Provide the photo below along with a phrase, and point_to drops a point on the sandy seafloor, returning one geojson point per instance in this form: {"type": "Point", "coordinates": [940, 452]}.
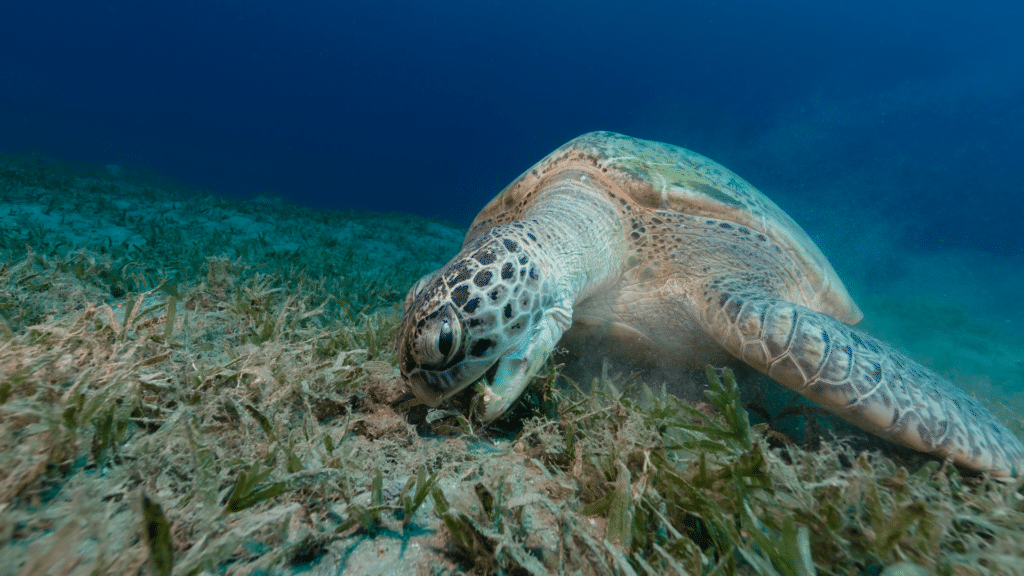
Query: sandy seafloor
{"type": "Point", "coordinates": [959, 313]}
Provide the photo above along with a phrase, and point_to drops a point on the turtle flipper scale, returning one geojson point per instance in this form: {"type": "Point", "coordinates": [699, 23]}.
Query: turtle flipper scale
{"type": "Point", "coordinates": [860, 378]}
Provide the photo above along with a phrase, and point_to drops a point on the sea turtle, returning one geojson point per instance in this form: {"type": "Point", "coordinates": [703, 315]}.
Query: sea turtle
{"type": "Point", "coordinates": [670, 254]}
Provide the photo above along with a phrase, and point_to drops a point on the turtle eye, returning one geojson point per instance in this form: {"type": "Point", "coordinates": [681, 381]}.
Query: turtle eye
{"type": "Point", "coordinates": [446, 339]}
{"type": "Point", "coordinates": [440, 338]}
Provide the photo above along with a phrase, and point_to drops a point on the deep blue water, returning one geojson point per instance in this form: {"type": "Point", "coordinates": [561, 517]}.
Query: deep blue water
{"type": "Point", "coordinates": [910, 111]}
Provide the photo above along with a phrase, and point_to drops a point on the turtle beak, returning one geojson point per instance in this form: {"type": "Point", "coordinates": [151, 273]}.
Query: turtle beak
{"type": "Point", "coordinates": [432, 388]}
{"type": "Point", "coordinates": [425, 393]}
{"type": "Point", "coordinates": [517, 366]}
{"type": "Point", "coordinates": [514, 372]}
{"type": "Point", "coordinates": [503, 383]}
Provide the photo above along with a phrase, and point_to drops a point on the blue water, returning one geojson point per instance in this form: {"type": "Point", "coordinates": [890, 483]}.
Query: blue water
{"type": "Point", "coordinates": [911, 111]}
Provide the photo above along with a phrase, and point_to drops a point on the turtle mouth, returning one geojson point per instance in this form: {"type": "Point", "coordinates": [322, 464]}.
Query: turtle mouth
{"type": "Point", "coordinates": [498, 387]}
{"type": "Point", "coordinates": [433, 386]}
{"type": "Point", "coordinates": [492, 372]}
{"type": "Point", "coordinates": [506, 380]}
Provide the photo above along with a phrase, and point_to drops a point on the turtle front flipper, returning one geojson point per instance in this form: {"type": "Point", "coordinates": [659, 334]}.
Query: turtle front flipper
{"type": "Point", "coordinates": [860, 378]}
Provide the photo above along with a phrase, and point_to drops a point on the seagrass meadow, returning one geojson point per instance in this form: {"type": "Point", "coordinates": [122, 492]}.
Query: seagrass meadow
{"type": "Point", "coordinates": [196, 385]}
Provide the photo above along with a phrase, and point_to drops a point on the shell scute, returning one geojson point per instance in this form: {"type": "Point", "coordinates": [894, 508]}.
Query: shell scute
{"type": "Point", "coordinates": [663, 179]}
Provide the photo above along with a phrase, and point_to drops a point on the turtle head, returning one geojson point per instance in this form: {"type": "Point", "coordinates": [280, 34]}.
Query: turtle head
{"type": "Point", "coordinates": [489, 318]}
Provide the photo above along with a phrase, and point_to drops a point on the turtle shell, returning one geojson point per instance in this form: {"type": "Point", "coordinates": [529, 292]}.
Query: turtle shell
{"type": "Point", "coordinates": [654, 176]}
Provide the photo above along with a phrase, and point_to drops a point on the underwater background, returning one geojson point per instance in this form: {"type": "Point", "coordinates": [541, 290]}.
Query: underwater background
{"type": "Point", "coordinates": [224, 203]}
{"type": "Point", "coordinates": [908, 112]}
